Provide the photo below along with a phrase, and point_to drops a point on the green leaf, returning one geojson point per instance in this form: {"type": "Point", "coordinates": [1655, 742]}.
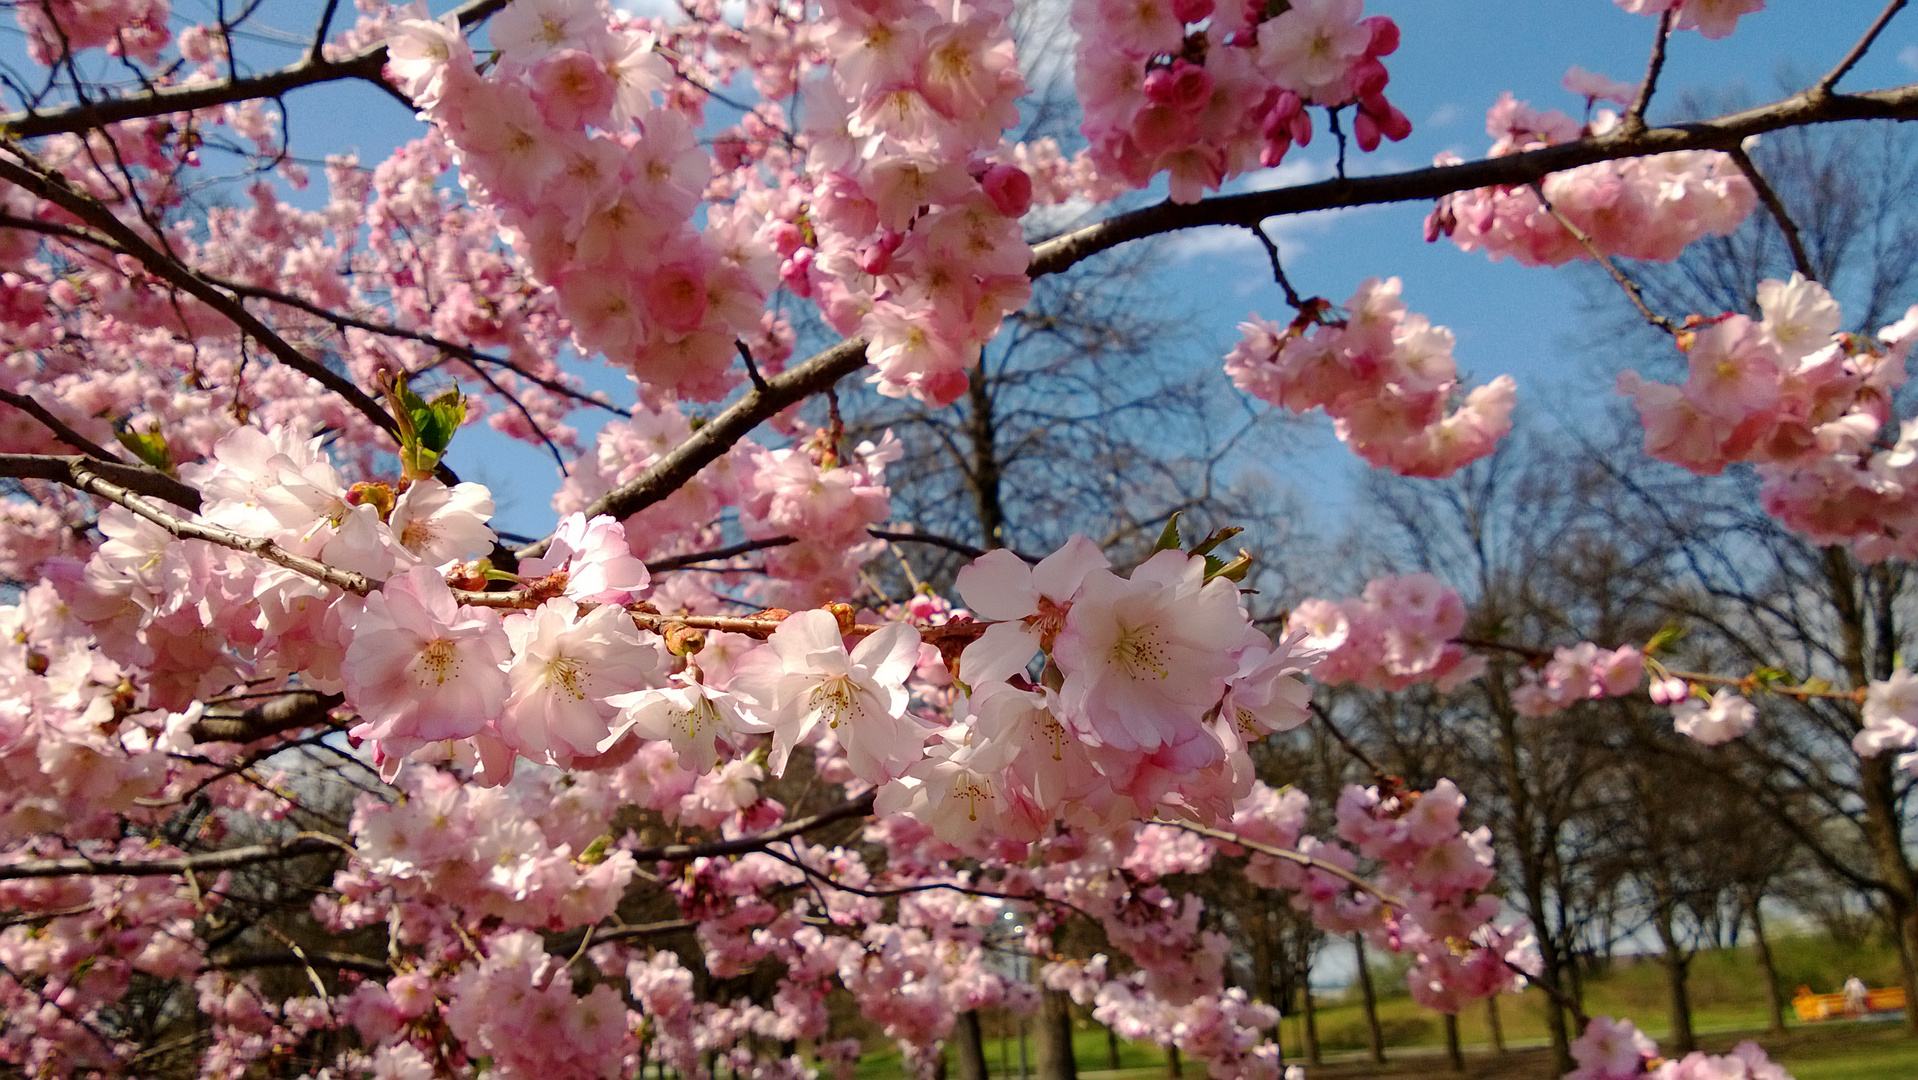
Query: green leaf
{"type": "Point", "coordinates": [1667, 635]}
{"type": "Point", "coordinates": [441, 420]}
{"type": "Point", "coordinates": [1231, 571]}
{"type": "Point", "coordinates": [1169, 537]}
{"type": "Point", "coordinates": [148, 446]}
{"type": "Point", "coordinates": [1219, 536]}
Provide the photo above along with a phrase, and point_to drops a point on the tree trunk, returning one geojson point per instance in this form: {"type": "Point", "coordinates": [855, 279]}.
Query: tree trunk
{"type": "Point", "coordinates": [1677, 973]}
{"type": "Point", "coordinates": [1531, 868]}
{"type": "Point", "coordinates": [1373, 1033]}
{"type": "Point", "coordinates": [1453, 1053]}
{"type": "Point", "coordinates": [970, 1045]}
{"type": "Point", "coordinates": [985, 462]}
{"type": "Point", "coordinates": [1054, 1036]}
{"type": "Point", "coordinates": [1877, 788]}
{"type": "Point", "coordinates": [1312, 1054]}
{"type": "Point", "coordinates": [1112, 1049]}
{"type": "Point", "coordinates": [1174, 1064]}
{"type": "Point", "coordinates": [1774, 993]}
{"type": "Point", "coordinates": [1494, 1025]}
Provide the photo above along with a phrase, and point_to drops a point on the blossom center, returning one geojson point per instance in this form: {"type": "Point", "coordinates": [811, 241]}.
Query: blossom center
{"type": "Point", "coordinates": [439, 660]}
{"type": "Point", "coordinates": [1139, 651]}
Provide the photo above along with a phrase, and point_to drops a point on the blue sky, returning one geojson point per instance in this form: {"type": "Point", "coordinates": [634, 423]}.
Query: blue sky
{"type": "Point", "coordinates": [1456, 58]}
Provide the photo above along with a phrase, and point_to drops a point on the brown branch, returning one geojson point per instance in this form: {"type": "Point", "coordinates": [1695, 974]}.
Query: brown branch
{"type": "Point", "coordinates": [857, 808]}
{"type": "Point", "coordinates": [1776, 206]}
{"type": "Point", "coordinates": [643, 931]}
{"type": "Point", "coordinates": [1383, 778]}
{"type": "Point", "coordinates": [116, 234]}
{"type": "Point", "coordinates": [58, 426]}
{"type": "Point", "coordinates": [1635, 116]}
{"type": "Point", "coordinates": [1824, 86]}
{"type": "Point", "coordinates": [1286, 854]}
{"type": "Point", "coordinates": [365, 965]}
{"type": "Point", "coordinates": [466, 353]}
{"type": "Point", "coordinates": [289, 711]}
{"type": "Point", "coordinates": [717, 435]}
{"type": "Point", "coordinates": [730, 551]}
{"type": "Point", "coordinates": [301, 845]}
{"type": "Point", "coordinates": [69, 470]}
{"type": "Point", "coordinates": [1632, 290]}
{"type": "Point", "coordinates": [366, 64]}
{"type": "Point", "coordinates": [91, 477]}
{"type": "Point", "coordinates": [1511, 170]}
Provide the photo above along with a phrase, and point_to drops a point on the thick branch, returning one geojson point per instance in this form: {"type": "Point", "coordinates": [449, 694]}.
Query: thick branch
{"type": "Point", "coordinates": [365, 64]}
{"type": "Point", "coordinates": [1512, 170]}
{"type": "Point", "coordinates": [70, 470]}
{"type": "Point", "coordinates": [271, 716]}
{"type": "Point", "coordinates": [718, 435]}
{"type": "Point", "coordinates": [304, 844]}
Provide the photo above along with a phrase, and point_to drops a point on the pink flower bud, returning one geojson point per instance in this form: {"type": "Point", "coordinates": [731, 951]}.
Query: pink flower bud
{"type": "Point", "coordinates": [1670, 691]}
{"type": "Point", "coordinates": [787, 238]}
{"type": "Point", "coordinates": [1009, 188]}
{"type": "Point", "coordinates": [1191, 11]}
{"type": "Point", "coordinates": [1385, 35]}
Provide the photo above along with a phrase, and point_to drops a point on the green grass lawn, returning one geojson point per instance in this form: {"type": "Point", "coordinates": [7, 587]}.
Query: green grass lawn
{"type": "Point", "coordinates": [1728, 1005]}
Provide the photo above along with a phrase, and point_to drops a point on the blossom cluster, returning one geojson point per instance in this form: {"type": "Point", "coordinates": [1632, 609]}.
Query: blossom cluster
{"type": "Point", "coordinates": [1398, 632]}
{"type": "Point", "coordinates": [1637, 208]}
{"type": "Point", "coordinates": [1616, 1050]}
{"type": "Point", "coordinates": [1385, 376]}
{"type": "Point", "coordinates": [1890, 718]}
{"type": "Point", "coordinates": [1578, 673]}
{"type": "Point", "coordinates": [1806, 403]}
{"type": "Point", "coordinates": [1152, 687]}
{"type": "Point", "coordinates": [1204, 91]}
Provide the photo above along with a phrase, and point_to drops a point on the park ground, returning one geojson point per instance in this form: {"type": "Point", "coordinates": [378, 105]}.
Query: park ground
{"type": "Point", "coordinates": [1729, 1006]}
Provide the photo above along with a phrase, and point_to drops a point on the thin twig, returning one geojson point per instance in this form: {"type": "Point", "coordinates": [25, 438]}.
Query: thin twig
{"type": "Point", "coordinates": [1632, 290]}
{"type": "Point", "coordinates": [1378, 774]}
{"type": "Point", "coordinates": [1635, 116]}
{"type": "Point", "coordinates": [1776, 206]}
{"type": "Point", "coordinates": [1287, 854]}
{"type": "Point", "coordinates": [857, 808]}
{"type": "Point", "coordinates": [1823, 87]}
{"type": "Point", "coordinates": [1278, 269]}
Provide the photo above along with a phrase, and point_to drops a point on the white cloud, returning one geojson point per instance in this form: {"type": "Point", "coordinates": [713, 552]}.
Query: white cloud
{"type": "Point", "coordinates": [1442, 116]}
{"type": "Point", "coordinates": [1908, 56]}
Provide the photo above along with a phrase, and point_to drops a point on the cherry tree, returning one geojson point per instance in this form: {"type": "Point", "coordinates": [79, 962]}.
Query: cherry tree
{"type": "Point", "coordinates": [261, 624]}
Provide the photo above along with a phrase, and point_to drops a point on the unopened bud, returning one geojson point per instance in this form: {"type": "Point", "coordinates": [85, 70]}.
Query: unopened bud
{"type": "Point", "coordinates": [683, 640]}
{"type": "Point", "coordinates": [845, 614]}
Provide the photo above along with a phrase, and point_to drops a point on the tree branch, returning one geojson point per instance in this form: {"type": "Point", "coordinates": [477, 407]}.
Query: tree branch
{"type": "Point", "coordinates": [1511, 170]}
{"type": "Point", "coordinates": [718, 435]}
{"type": "Point", "coordinates": [124, 478]}
{"type": "Point", "coordinates": [301, 845]}
{"type": "Point", "coordinates": [58, 426]}
{"type": "Point", "coordinates": [116, 234]}
{"type": "Point", "coordinates": [1776, 206]}
{"type": "Point", "coordinates": [289, 711]}
{"type": "Point", "coordinates": [857, 808]}
{"type": "Point", "coordinates": [1635, 116]}
{"type": "Point", "coordinates": [1857, 53]}
{"type": "Point", "coordinates": [366, 64]}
